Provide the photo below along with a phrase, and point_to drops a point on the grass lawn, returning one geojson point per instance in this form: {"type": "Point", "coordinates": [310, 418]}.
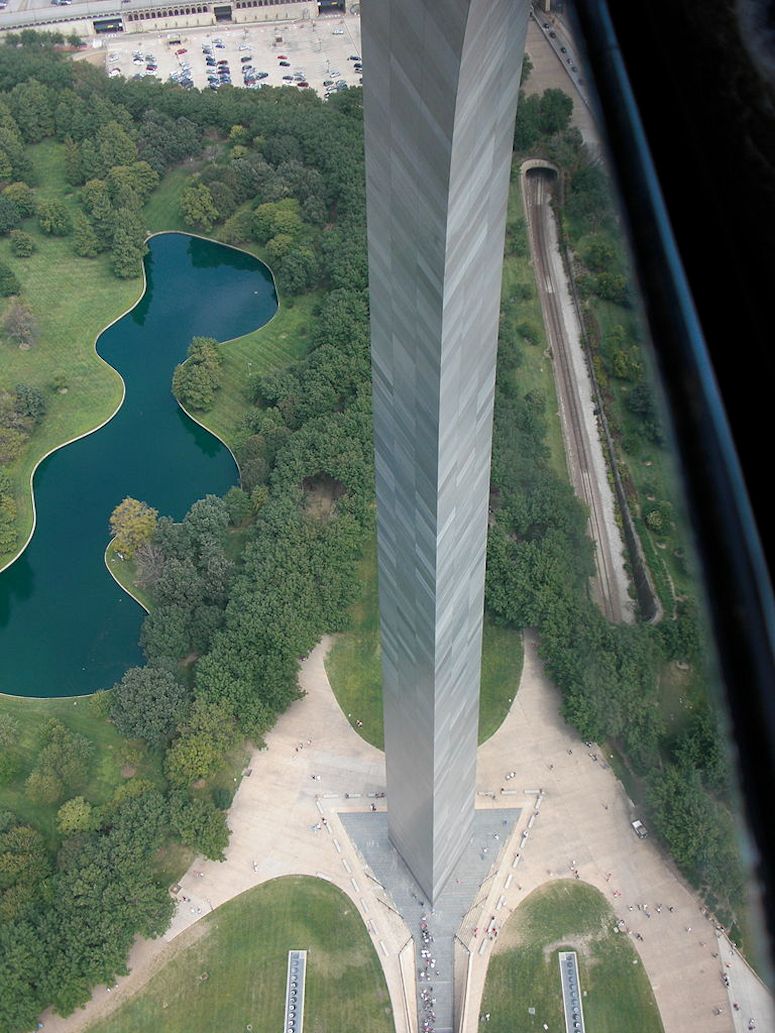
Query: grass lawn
{"type": "Point", "coordinates": [243, 948]}
{"type": "Point", "coordinates": [162, 209]}
{"type": "Point", "coordinates": [73, 299]}
{"type": "Point", "coordinates": [124, 571]}
{"type": "Point", "coordinates": [282, 340]}
{"type": "Point", "coordinates": [111, 752]}
{"type": "Point", "coordinates": [353, 665]}
{"type": "Point", "coordinates": [536, 372]}
{"type": "Point", "coordinates": [524, 971]}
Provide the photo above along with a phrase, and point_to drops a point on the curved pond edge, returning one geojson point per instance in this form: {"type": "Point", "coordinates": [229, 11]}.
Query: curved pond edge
{"type": "Point", "coordinates": [120, 584]}
{"type": "Point", "coordinates": [93, 430]}
{"type": "Point", "coordinates": [229, 340]}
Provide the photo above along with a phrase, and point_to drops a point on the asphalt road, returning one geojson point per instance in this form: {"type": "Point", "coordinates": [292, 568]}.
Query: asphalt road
{"type": "Point", "coordinates": [584, 453]}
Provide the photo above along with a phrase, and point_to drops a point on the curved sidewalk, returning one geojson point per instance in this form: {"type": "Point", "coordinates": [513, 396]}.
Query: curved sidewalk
{"type": "Point", "coordinates": [584, 817]}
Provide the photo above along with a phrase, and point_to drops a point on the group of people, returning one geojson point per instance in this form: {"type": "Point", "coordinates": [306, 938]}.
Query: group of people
{"type": "Point", "coordinates": [429, 1015]}
{"type": "Point", "coordinates": [428, 965]}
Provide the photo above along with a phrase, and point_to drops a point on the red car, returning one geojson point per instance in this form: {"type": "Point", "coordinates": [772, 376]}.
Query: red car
{"type": "Point", "coordinates": [302, 84]}
{"type": "Point", "coordinates": [181, 51]}
{"type": "Point", "coordinates": [282, 57]}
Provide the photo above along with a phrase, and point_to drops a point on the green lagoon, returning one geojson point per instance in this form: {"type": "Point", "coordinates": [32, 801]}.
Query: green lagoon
{"type": "Point", "coordinates": [66, 627]}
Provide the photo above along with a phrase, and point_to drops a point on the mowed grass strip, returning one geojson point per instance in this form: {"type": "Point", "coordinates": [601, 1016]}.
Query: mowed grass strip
{"type": "Point", "coordinates": [73, 300]}
{"type": "Point", "coordinates": [524, 971]}
{"type": "Point", "coordinates": [354, 664]}
{"type": "Point", "coordinates": [232, 972]}
{"type": "Point", "coordinates": [162, 209]}
{"type": "Point", "coordinates": [125, 573]}
{"type": "Point", "coordinates": [284, 339]}
{"type": "Point", "coordinates": [536, 372]}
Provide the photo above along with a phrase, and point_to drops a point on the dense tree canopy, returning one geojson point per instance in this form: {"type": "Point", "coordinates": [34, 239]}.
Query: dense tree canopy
{"type": "Point", "coordinates": [241, 589]}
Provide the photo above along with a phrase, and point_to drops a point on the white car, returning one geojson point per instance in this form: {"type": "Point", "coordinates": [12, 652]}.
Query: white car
{"type": "Point", "coordinates": [338, 32]}
{"type": "Point", "coordinates": [244, 46]}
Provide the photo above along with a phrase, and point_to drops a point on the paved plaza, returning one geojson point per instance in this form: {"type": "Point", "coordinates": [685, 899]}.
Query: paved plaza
{"type": "Point", "coordinates": [583, 817]}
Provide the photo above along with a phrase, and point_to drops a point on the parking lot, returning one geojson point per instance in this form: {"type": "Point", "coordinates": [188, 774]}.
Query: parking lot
{"type": "Point", "coordinates": [315, 53]}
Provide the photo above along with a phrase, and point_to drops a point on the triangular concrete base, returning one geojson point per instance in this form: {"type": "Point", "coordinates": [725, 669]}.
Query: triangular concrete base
{"type": "Point", "coordinates": [464, 889]}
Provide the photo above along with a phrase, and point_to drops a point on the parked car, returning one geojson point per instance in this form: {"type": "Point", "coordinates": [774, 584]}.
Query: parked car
{"type": "Point", "coordinates": [285, 64]}
{"type": "Point", "coordinates": [181, 51]}
{"type": "Point", "coordinates": [640, 829]}
{"type": "Point", "coordinates": [353, 57]}
{"type": "Point", "coordinates": [287, 78]}
{"type": "Point", "coordinates": [302, 85]}
{"type": "Point", "coordinates": [246, 58]}
{"type": "Point", "coordinates": [338, 32]}
{"type": "Point", "coordinates": [244, 46]}
{"type": "Point", "coordinates": [262, 75]}
{"type": "Point", "coordinates": [282, 57]}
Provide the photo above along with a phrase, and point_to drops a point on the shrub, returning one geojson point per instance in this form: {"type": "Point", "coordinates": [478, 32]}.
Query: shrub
{"type": "Point", "coordinates": [22, 244]}
{"type": "Point", "coordinates": [9, 284]}
{"type": "Point", "coordinates": [23, 197]}
{"type": "Point", "coordinates": [54, 218]}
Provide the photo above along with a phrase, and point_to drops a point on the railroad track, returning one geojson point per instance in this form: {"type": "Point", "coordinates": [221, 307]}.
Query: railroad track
{"type": "Point", "coordinates": [584, 456]}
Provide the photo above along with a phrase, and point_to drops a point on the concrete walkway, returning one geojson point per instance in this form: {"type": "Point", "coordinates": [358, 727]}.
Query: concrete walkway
{"type": "Point", "coordinates": [583, 817]}
{"type": "Point", "coordinates": [584, 821]}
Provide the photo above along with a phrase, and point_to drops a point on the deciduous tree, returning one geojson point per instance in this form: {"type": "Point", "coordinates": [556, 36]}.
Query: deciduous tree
{"type": "Point", "coordinates": [132, 522]}
{"type": "Point", "coordinates": [54, 218]}
{"type": "Point", "coordinates": [76, 815]}
{"type": "Point", "coordinates": [20, 324]}
{"type": "Point", "coordinates": [198, 207]}
{"type": "Point", "coordinates": [149, 703]}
